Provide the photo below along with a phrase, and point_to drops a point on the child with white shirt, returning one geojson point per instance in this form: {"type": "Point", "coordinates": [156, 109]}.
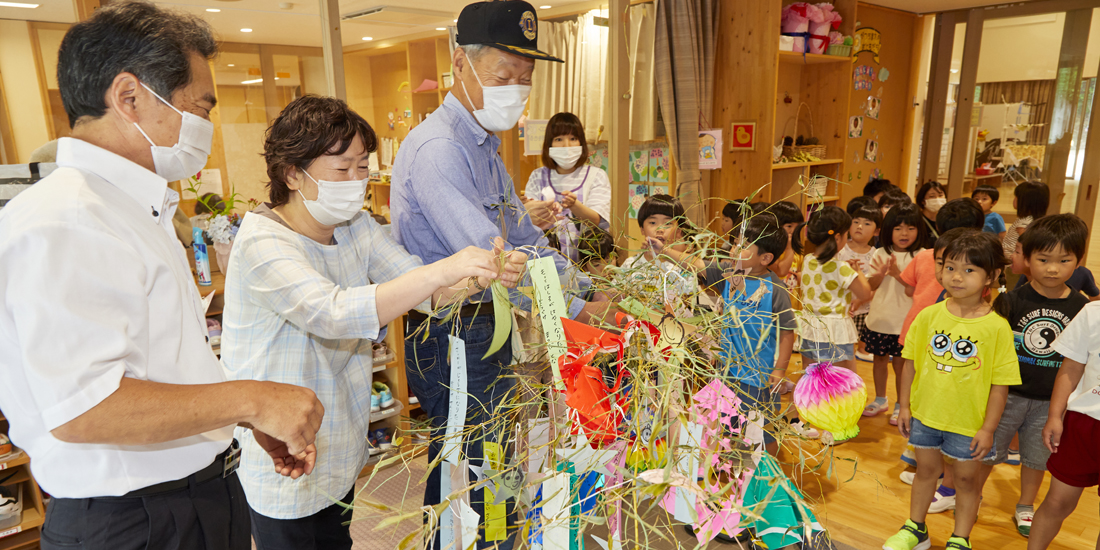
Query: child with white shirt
{"type": "Point", "coordinates": [663, 268]}
{"type": "Point", "coordinates": [860, 249]}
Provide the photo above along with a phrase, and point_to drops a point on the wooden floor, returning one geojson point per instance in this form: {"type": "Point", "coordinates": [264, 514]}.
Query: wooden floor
{"type": "Point", "coordinates": [865, 502]}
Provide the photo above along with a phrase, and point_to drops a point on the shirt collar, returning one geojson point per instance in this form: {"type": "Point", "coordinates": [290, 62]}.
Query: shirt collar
{"type": "Point", "coordinates": [469, 123]}
{"type": "Point", "coordinates": [148, 189]}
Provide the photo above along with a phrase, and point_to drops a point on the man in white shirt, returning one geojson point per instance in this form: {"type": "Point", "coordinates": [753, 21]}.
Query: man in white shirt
{"type": "Point", "coordinates": [106, 376]}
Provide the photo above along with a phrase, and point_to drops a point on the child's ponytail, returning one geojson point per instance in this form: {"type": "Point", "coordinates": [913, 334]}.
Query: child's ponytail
{"type": "Point", "coordinates": [1001, 305]}
{"type": "Point", "coordinates": [822, 229]}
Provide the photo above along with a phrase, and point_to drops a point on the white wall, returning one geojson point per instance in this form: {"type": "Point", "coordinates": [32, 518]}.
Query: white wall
{"type": "Point", "coordinates": [1027, 48]}
{"type": "Point", "coordinates": [21, 89]}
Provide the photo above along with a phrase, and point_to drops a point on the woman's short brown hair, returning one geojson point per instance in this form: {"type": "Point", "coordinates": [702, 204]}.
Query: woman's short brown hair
{"type": "Point", "coordinates": [307, 129]}
{"type": "Point", "coordinates": [563, 124]}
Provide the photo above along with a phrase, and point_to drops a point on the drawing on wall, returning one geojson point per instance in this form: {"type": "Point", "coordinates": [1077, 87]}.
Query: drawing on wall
{"type": "Point", "coordinates": [874, 106]}
{"type": "Point", "coordinates": [855, 126]}
{"type": "Point", "coordinates": [871, 153]}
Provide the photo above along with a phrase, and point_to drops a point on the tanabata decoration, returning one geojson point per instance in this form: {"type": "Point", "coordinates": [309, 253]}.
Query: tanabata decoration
{"type": "Point", "coordinates": [593, 375]}
{"type": "Point", "coordinates": [832, 398]}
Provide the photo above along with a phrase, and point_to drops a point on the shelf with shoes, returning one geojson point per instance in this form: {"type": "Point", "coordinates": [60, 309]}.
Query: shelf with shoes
{"type": "Point", "coordinates": [392, 414]}
{"type": "Point", "coordinates": [20, 497]}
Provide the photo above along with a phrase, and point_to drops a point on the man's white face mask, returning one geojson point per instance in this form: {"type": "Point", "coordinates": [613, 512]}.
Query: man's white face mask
{"type": "Point", "coordinates": [501, 105]}
{"type": "Point", "coordinates": [189, 154]}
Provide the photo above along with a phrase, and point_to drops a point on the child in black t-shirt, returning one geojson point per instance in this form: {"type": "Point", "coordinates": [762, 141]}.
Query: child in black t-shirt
{"type": "Point", "coordinates": [1038, 312]}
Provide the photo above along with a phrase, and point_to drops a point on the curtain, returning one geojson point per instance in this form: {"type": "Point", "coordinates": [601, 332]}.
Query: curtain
{"type": "Point", "coordinates": [579, 85]}
{"type": "Point", "coordinates": [1037, 93]}
{"type": "Point", "coordinates": [684, 57]}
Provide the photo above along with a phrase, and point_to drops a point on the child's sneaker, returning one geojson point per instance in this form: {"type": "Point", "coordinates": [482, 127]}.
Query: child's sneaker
{"type": "Point", "coordinates": [1013, 457]}
{"type": "Point", "coordinates": [384, 439]}
{"type": "Point", "coordinates": [803, 430]}
{"type": "Point", "coordinates": [909, 456]}
{"type": "Point", "coordinates": [375, 401]}
{"type": "Point", "coordinates": [1024, 515]}
{"type": "Point", "coordinates": [942, 502]}
{"type": "Point", "coordinates": [911, 537]}
{"type": "Point", "coordinates": [957, 543]}
{"type": "Point", "coordinates": [908, 476]}
{"type": "Point", "coordinates": [894, 415]}
{"type": "Point", "coordinates": [865, 357]}
{"type": "Point", "coordinates": [385, 396]}
{"type": "Point", "coordinates": [373, 445]}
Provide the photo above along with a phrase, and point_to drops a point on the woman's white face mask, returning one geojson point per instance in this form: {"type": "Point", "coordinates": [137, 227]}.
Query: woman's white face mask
{"type": "Point", "coordinates": [337, 201]}
{"type": "Point", "coordinates": [566, 157]}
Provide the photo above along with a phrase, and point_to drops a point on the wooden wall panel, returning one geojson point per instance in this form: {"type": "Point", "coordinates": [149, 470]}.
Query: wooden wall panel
{"type": "Point", "coordinates": [744, 90]}
{"type": "Point", "coordinates": [899, 33]}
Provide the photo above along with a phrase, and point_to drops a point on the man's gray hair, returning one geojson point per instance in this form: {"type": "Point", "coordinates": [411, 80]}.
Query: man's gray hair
{"type": "Point", "coordinates": [475, 51]}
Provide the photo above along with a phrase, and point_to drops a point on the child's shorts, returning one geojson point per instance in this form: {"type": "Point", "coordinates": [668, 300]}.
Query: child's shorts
{"type": "Point", "coordinates": [1026, 416]}
{"type": "Point", "coordinates": [861, 322]}
{"type": "Point", "coordinates": [1077, 462]}
{"type": "Point", "coordinates": [951, 444]}
{"type": "Point", "coordinates": [880, 344]}
{"type": "Point", "coordinates": [761, 399]}
{"type": "Point", "coordinates": [827, 351]}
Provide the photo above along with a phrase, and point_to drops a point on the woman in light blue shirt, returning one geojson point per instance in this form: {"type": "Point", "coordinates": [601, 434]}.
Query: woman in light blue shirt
{"type": "Point", "coordinates": [312, 282]}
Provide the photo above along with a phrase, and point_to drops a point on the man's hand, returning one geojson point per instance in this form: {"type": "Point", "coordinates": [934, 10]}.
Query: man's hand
{"type": "Point", "coordinates": [288, 413]}
{"type": "Point", "coordinates": [981, 444]}
{"type": "Point", "coordinates": [514, 264]}
{"type": "Point", "coordinates": [543, 213]}
{"type": "Point", "coordinates": [1052, 433]}
{"type": "Point", "coordinates": [287, 464]}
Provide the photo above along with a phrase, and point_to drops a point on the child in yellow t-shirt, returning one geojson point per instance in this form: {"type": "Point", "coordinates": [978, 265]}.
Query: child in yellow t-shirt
{"type": "Point", "coordinates": [960, 359]}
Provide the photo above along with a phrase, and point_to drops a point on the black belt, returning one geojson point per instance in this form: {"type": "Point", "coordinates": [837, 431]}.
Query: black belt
{"type": "Point", "coordinates": [466, 311]}
{"type": "Point", "coordinates": [224, 464]}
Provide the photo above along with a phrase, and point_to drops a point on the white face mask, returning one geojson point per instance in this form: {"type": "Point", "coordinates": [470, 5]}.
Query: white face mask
{"type": "Point", "coordinates": [566, 157]}
{"type": "Point", "coordinates": [934, 205]}
{"type": "Point", "coordinates": [501, 105]}
{"type": "Point", "coordinates": [189, 154]}
{"type": "Point", "coordinates": [337, 201]}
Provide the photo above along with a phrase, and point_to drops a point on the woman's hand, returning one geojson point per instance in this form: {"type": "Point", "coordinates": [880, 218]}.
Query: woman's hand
{"type": "Point", "coordinates": [568, 199]}
{"type": "Point", "coordinates": [468, 262]}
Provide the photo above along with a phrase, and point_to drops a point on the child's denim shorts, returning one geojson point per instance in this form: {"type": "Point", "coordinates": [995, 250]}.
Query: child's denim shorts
{"type": "Point", "coordinates": [827, 351]}
{"type": "Point", "coordinates": [951, 444]}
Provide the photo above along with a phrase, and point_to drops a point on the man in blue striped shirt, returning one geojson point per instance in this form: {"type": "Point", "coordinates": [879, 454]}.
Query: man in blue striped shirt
{"type": "Point", "coordinates": [450, 190]}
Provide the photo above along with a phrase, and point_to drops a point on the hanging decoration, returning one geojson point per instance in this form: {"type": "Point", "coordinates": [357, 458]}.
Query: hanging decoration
{"type": "Point", "coordinates": [867, 39]}
{"type": "Point", "coordinates": [855, 126]}
{"type": "Point", "coordinates": [871, 152]}
{"type": "Point", "coordinates": [874, 106]}
{"type": "Point", "coordinates": [832, 398]}
{"type": "Point", "coordinates": [710, 149]}
{"type": "Point", "coordinates": [863, 76]}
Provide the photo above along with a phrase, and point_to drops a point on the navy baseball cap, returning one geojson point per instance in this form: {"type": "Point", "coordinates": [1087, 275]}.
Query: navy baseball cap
{"type": "Point", "coordinates": [511, 26]}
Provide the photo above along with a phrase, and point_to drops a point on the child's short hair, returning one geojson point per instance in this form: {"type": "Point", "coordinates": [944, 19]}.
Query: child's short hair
{"type": "Point", "coordinates": [987, 190]}
{"type": "Point", "coordinates": [661, 205]}
{"type": "Point", "coordinates": [1032, 199]}
{"type": "Point", "coordinates": [732, 209]}
{"type": "Point", "coordinates": [962, 212]}
{"type": "Point", "coordinates": [563, 124]}
{"type": "Point", "coordinates": [595, 245]}
{"type": "Point", "coordinates": [894, 197]}
{"type": "Point", "coordinates": [977, 248]}
{"type": "Point", "coordinates": [860, 202]}
{"type": "Point", "coordinates": [768, 236]}
{"type": "Point", "coordinates": [1047, 232]}
{"type": "Point", "coordinates": [869, 213]}
{"type": "Point", "coordinates": [786, 212]}
{"type": "Point", "coordinates": [877, 186]}
{"type": "Point", "coordinates": [949, 237]}
{"type": "Point", "coordinates": [909, 214]}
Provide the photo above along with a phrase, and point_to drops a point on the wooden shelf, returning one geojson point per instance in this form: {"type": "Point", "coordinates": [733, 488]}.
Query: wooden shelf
{"type": "Point", "coordinates": [32, 519]}
{"type": "Point", "coordinates": [822, 162]}
{"type": "Point", "coordinates": [22, 539]}
{"type": "Point", "coordinates": [217, 280]}
{"type": "Point", "coordinates": [797, 58]}
{"type": "Point", "coordinates": [387, 413]}
{"type": "Point", "coordinates": [18, 461]}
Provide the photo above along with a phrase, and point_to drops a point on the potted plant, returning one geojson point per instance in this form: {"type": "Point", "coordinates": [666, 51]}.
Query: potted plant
{"type": "Point", "coordinates": [223, 223]}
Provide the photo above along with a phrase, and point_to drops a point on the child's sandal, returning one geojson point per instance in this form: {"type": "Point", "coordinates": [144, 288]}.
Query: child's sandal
{"type": "Point", "coordinates": [874, 409]}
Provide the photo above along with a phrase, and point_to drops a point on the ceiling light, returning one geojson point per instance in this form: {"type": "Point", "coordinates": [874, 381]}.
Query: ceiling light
{"type": "Point", "coordinates": [246, 30]}
{"type": "Point", "coordinates": [213, 10]}
{"type": "Point", "coordinates": [17, 5]}
{"type": "Point", "coordinates": [257, 81]}
{"type": "Point", "coordinates": [545, 7]}
{"type": "Point", "coordinates": [441, 28]}
{"type": "Point", "coordinates": [455, 21]}
{"type": "Point", "coordinates": [232, 65]}
{"type": "Point", "coordinates": [368, 38]}
{"type": "Point", "coordinates": [953, 71]}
